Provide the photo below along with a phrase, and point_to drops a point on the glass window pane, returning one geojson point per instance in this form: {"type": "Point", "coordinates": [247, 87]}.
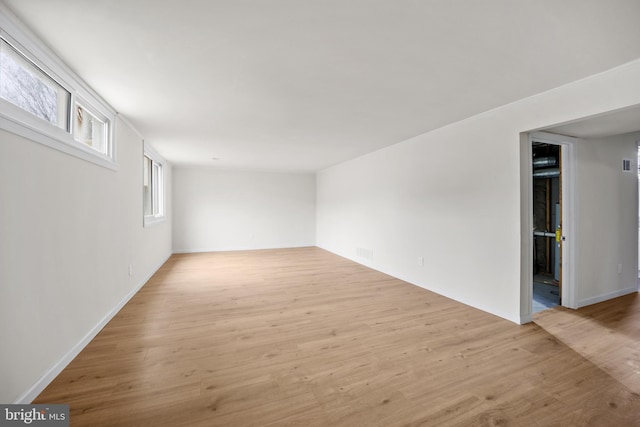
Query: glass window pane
{"type": "Point", "coordinates": [26, 86]}
{"type": "Point", "coordinates": [147, 186]}
{"type": "Point", "coordinates": [89, 130]}
{"type": "Point", "coordinates": [153, 185]}
{"type": "Point", "coordinates": [156, 179]}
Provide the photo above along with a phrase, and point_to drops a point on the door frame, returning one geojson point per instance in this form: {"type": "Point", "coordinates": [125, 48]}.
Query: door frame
{"type": "Point", "coordinates": [569, 227]}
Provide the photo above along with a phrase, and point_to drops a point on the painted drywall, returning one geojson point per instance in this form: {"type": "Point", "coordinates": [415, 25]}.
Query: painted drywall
{"type": "Point", "coordinates": [443, 210]}
{"type": "Point", "coordinates": [219, 210]}
{"type": "Point", "coordinates": [69, 230]}
{"type": "Point", "coordinates": [607, 218]}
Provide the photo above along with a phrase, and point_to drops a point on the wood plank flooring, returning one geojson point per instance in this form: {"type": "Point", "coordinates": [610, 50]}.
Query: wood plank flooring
{"type": "Point", "coordinates": [303, 337]}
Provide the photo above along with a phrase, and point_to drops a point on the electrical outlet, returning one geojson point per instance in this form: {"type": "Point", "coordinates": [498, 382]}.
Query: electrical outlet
{"type": "Point", "coordinates": [421, 261]}
{"type": "Point", "coordinates": [130, 269]}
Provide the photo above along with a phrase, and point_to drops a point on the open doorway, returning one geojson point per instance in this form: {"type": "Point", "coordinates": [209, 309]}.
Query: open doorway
{"type": "Point", "coordinates": [605, 146]}
{"type": "Point", "coordinates": [552, 177]}
{"type": "Point", "coordinates": [547, 225]}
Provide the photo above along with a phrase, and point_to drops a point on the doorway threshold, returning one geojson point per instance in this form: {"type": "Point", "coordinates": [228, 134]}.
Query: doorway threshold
{"type": "Point", "coordinates": [545, 296]}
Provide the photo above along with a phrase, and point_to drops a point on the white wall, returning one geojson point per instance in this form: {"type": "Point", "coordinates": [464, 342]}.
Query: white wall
{"type": "Point", "coordinates": [68, 231]}
{"type": "Point", "coordinates": [453, 196]}
{"type": "Point", "coordinates": [218, 210]}
{"type": "Point", "coordinates": [607, 210]}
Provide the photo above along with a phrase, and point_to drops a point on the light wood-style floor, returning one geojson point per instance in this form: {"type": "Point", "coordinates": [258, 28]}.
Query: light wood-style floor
{"type": "Point", "coordinates": [303, 337]}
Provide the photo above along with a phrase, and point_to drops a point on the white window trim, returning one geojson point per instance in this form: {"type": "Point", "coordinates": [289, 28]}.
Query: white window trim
{"type": "Point", "coordinates": [150, 220]}
{"type": "Point", "coordinates": [23, 123]}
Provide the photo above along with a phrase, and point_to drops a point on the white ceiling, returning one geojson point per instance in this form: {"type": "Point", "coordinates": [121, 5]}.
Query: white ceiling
{"type": "Point", "coordinates": [612, 123]}
{"type": "Point", "coordinates": [299, 85]}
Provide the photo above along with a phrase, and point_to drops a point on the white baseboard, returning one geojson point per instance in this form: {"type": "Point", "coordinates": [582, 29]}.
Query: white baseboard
{"type": "Point", "coordinates": [37, 388]}
{"type": "Point", "coordinates": [527, 318]}
{"type": "Point", "coordinates": [607, 296]}
{"type": "Point", "coordinates": [238, 248]}
{"type": "Point", "coordinates": [517, 319]}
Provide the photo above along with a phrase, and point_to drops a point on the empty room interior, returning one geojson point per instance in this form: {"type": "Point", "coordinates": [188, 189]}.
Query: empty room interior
{"type": "Point", "coordinates": [337, 213]}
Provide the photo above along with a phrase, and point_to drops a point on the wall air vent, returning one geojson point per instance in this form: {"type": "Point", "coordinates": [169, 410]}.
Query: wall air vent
{"type": "Point", "coordinates": [365, 253]}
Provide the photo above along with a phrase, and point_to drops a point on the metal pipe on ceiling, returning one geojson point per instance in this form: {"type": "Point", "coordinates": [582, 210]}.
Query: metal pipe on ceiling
{"type": "Point", "coordinates": [543, 162]}
{"type": "Point", "coordinates": [546, 173]}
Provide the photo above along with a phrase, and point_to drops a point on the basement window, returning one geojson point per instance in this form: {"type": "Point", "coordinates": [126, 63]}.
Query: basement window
{"type": "Point", "coordinates": [29, 88]}
{"type": "Point", "coordinates": [89, 129]}
{"type": "Point", "coordinates": [152, 186]}
{"type": "Point", "coordinates": [45, 102]}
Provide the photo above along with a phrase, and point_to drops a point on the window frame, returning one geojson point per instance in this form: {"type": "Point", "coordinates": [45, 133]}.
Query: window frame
{"type": "Point", "coordinates": [23, 123]}
{"type": "Point", "coordinates": [157, 187]}
{"type": "Point", "coordinates": [28, 67]}
{"type": "Point", "coordinates": [79, 102]}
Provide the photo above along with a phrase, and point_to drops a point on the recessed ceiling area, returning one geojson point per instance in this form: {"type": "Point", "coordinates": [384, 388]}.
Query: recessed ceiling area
{"type": "Point", "coordinates": [609, 124]}
{"type": "Point", "coordinates": [300, 85]}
